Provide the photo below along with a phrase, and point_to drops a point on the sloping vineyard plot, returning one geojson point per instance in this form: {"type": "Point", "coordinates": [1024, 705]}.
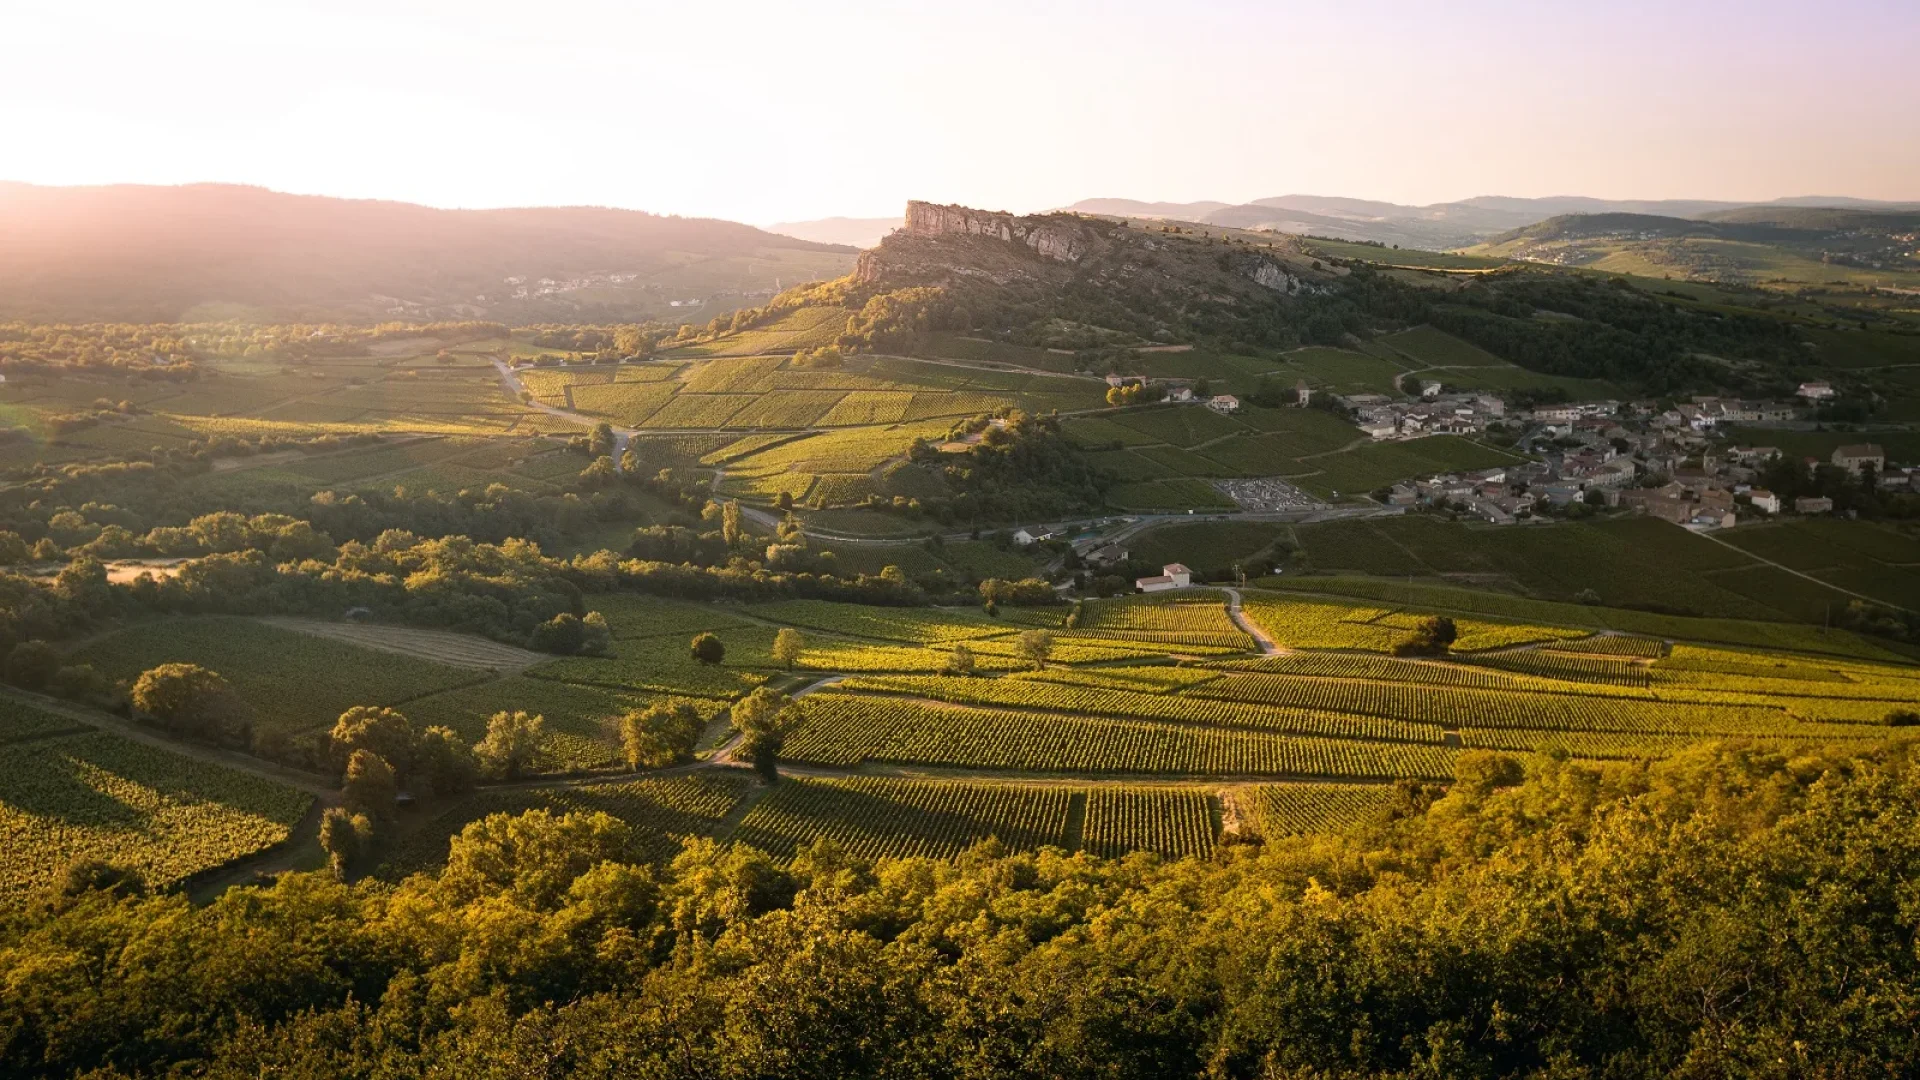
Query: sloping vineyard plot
{"type": "Point", "coordinates": [1201, 709]}
{"type": "Point", "coordinates": [872, 817]}
{"type": "Point", "coordinates": [99, 796]}
{"type": "Point", "coordinates": [844, 729]}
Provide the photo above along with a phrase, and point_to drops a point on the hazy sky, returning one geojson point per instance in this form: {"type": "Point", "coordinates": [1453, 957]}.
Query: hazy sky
{"type": "Point", "coordinates": [776, 111]}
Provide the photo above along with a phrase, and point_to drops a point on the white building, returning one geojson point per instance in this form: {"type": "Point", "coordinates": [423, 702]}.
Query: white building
{"type": "Point", "coordinates": [1764, 500]}
{"type": "Point", "coordinates": [1023, 538]}
{"type": "Point", "coordinates": [1815, 391]}
{"type": "Point", "coordinates": [1172, 576]}
{"type": "Point", "coordinates": [1223, 403]}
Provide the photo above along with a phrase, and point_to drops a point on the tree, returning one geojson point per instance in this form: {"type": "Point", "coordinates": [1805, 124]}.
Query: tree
{"type": "Point", "coordinates": [1434, 635]}
{"type": "Point", "coordinates": [445, 761]}
{"type": "Point", "coordinates": [345, 838]}
{"type": "Point", "coordinates": [191, 701]}
{"type": "Point", "coordinates": [708, 648]}
{"type": "Point", "coordinates": [1036, 645]}
{"type": "Point", "coordinates": [512, 740]}
{"type": "Point", "coordinates": [788, 644]}
{"type": "Point", "coordinates": [600, 442]}
{"type": "Point", "coordinates": [83, 876]}
{"type": "Point", "coordinates": [758, 710]}
{"type": "Point", "coordinates": [731, 525]}
{"type": "Point", "coordinates": [763, 719]}
{"type": "Point", "coordinates": [386, 732]}
{"type": "Point", "coordinates": [630, 465]}
{"type": "Point", "coordinates": [596, 637]}
{"type": "Point", "coordinates": [1903, 718]}
{"type": "Point", "coordinates": [960, 660]}
{"type": "Point", "coordinates": [562, 635]}
{"type": "Point", "coordinates": [662, 734]}
{"type": "Point", "coordinates": [369, 787]}
{"type": "Point", "coordinates": [32, 664]}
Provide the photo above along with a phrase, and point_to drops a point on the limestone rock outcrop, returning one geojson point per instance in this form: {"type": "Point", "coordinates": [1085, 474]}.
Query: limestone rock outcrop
{"type": "Point", "coordinates": [1047, 236]}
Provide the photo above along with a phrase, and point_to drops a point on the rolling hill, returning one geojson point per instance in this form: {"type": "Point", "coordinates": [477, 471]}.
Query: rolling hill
{"type": "Point", "coordinates": [1439, 225]}
{"type": "Point", "coordinates": [142, 253]}
{"type": "Point", "coordinates": [1751, 245]}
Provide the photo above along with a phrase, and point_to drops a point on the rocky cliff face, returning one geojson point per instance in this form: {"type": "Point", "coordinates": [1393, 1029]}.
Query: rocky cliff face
{"type": "Point", "coordinates": [1052, 237]}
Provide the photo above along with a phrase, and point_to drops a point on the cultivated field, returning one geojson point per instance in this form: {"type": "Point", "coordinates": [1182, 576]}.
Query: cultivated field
{"type": "Point", "coordinates": [87, 794]}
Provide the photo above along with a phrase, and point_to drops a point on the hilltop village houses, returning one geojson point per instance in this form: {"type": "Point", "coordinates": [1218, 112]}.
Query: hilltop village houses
{"type": "Point", "coordinates": [1671, 463]}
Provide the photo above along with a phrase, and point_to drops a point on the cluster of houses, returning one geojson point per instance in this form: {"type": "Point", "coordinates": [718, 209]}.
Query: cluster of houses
{"type": "Point", "coordinates": [1178, 390]}
{"type": "Point", "coordinates": [1433, 413]}
{"type": "Point", "coordinates": [1606, 453]}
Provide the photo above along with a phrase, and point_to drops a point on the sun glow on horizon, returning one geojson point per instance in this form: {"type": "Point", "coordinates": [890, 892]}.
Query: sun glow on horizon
{"type": "Point", "coordinates": [763, 112]}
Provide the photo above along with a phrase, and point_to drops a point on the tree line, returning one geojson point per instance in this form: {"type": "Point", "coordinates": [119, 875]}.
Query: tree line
{"type": "Point", "coordinates": [1737, 910]}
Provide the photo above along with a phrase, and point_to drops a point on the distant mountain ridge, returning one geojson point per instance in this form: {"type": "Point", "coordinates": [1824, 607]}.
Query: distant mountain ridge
{"type": "Point", "coordinates": [855, 232]}
{"type": "Point", "coordinates": [139, 253]}
{"type": "Point", "coordinates": [1439, 225]}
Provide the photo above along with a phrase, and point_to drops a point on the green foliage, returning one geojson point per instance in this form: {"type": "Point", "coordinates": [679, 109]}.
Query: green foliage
{"type": "Point", "coordinates": [346, 838]}
{"type": "Point", "coordinates": [660, 735]}
{"type": "Point", "coordinates": [708, 648]}
{"type": "Point", "coordinates": [32, 665]}
{"type": "Point", "coordinates": [93, 796]}
{"type": "Point", "coordinates": [1387, 950]}
{"type": "Point", "coordinates": [369, 786]}
{"type": "Point", "coordinates": [192, 702]}
{"type": "Point", "coordinates": [511, 742]}
{"type": "Point", "coordinates": [386, 733]}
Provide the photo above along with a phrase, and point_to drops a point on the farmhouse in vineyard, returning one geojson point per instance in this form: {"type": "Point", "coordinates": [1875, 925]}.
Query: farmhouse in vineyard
{"type": "Point", "coordinates": [1172, 576]}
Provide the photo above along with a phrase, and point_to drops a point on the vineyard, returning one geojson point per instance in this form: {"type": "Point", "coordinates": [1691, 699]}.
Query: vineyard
{"type": "Point", "coordinates": [1174, 823]}
{"type": "Point", "coordinates": [1278, 810]}
{"type": "Point", "coordinates": [662, 811]}
{"type": "Point", "coordinates": [1308, 624]}
{"type": "Point", "coordinates": [847, 729]}
{"type": "Point", "coordinates": [1206, 706]}
{"type": "Point", "coordinates": [874, 817]}
{"type": "Point", "coordinates": [274, 669]}
{"type": "Point", "coordinates": [97, 796]}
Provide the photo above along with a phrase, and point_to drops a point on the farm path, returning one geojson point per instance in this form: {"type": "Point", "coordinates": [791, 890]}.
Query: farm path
{"type": "Point", "coordinates": [1248, 626]}
{"type": "Point", "coordinates": [516, 388]}
{"type": "Point", "coordinates": [283, 857]}
{"type": "Point", "coordinates": [1798, 574]}
{"type": "Point", "coordinates": [310, 783]}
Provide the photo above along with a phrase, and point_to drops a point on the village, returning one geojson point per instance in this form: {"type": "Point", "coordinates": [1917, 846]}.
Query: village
{"type": "Point", "coordinates": [1677, 463]}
